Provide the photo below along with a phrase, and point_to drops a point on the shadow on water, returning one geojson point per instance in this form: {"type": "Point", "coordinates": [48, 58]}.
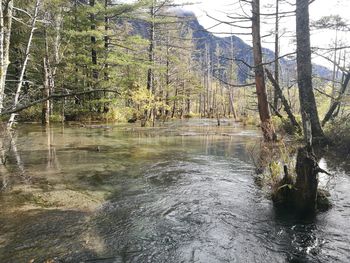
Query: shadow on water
{"type": "Point", "coordinates": [183, 192]}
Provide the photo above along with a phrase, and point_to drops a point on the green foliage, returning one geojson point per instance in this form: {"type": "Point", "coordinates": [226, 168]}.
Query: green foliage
{"type": "Point", "coordinates": [269, 160]}
{"type": "Point", "coordinates": [31, 114]}
{"type": "Point", "coordinates": [285, 126]}
{"type": "Point", "coordinates": [250, 120]}
{"type": "Point", "coordinates": [119, 114]}
{"type": "Point", "coordinates": [275, 171]}
{"type": "Point", "coordinates": [56, 118]}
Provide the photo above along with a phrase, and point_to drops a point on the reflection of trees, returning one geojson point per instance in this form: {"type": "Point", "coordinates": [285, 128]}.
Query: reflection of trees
{"type": "Point", "coordinates": [9, 151]}
{"type": "Point", "coordinates": [3, 158]}
{"type": "Point", "coordinates": [17, 156]}
{"type": "Point", "coordinates": [52, 161]}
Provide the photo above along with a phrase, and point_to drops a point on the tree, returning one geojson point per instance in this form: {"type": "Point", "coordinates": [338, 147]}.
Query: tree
{"type": "Point", "coordinates": [276, 97]}
{"type": "Point", "coordinates": [263, 106]}
{"type": "Point", "coordinates": [336, 23]}
{"type": "Point", "coordinates": [25, 62]}
{"type": "Point", "coordinates": [6, 10]}
{"type": "Point", "coordinates": [51, 30]}
{"type": "Point", "coordinates": [304, 68]}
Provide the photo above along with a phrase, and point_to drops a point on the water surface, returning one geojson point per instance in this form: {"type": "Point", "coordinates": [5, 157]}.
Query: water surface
{"type": "Point", "coordinates": [181, 192]}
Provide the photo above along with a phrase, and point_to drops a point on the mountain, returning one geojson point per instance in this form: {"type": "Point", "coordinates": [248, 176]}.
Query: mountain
{"type": "Point", "coordinates": [243, 53]}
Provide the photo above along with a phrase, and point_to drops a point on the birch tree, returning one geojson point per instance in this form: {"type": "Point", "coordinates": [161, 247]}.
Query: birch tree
{"type": "Point", "coordinates": [6, 12]}
{"type": "Point", "coordinates": [25, 62]}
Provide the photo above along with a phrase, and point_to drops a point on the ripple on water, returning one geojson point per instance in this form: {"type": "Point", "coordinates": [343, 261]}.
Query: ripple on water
{"type": "Point", "coordinates": [170, 198]}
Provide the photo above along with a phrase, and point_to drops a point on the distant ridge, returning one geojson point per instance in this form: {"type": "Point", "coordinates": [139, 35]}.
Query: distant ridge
{"type": "Point", "coordinates": [242, 51]}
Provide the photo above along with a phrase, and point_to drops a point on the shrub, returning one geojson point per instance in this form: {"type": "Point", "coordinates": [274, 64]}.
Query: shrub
{"type": "Point", "coordinates": [284, 125]}
{"type": "Point", "coordinates": [338, 131]}
{"type": "Point", "coordinates": [31, 114]}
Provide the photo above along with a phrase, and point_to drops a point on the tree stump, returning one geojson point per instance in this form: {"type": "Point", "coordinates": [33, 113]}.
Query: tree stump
{"type": "Point", "coordinates": [283, 197]}
{"type": "Point", "coordinates": [307, 181]}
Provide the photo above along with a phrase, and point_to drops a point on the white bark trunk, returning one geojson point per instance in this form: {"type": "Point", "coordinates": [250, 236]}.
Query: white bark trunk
{"type": "Point", "coordinates": [5, 35]}
{"type": "Point", "coordinates": [25, 62]}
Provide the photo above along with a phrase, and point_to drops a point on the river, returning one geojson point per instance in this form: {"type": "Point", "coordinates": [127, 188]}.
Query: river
{"type": "Point", "coordinates": [181, 192]}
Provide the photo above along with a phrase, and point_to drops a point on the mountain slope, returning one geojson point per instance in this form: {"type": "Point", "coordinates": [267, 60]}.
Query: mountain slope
{"type": "Point", "coordinates": [242, 51]}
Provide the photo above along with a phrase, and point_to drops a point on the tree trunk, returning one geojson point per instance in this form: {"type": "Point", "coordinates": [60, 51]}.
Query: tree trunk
{"type": "Point", "coordinates": [93, 43]}
{"type": "Point", "coordinates": [2, 57]}
{"type": "Point", "coordinates": [336, 103]}
{"type": "Point", "coordinates": [167, 76]}
{"type": "Point", "coordinates": [276, 92]}
{"type": "Point", "coordinates": [302, 196]}
{"type": "Point", "coordinates": [5, 31]}
{"type": "Point", "coordinates": [45, 111]}
{"type": "Point", "coordinates": [150, 76]}
{"type": "Point", "coordinates": [45, 116]}
{"type": "Point", "coordinates": [24, 65]}
{"type": "Point", "coordinates": [304, 68]}
{"type": "Point", "coordinates": [232, 106]}
{"type": "Point", "coordinates": [263, 106]}
{"type": "Point", "coordinates": [306, 182]}
{"type": "Point", "coordinates": [56, 48]}
{"type": "Point", "coordinates": [107, 41]}
{"type": "Point", "coordinates": [174, 104]}
{"type": "Point", "coordinates": [200, 104]}
{"type": "Point", "coordinates": [334, 75]}
{"type": "Point", "coordinates": [207, 80]}
{"type": "Point", "coordinates": [188, 102]}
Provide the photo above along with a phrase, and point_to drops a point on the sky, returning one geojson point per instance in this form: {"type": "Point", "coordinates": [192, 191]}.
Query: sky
{"type": "Point", "coordinates": [323, 38]}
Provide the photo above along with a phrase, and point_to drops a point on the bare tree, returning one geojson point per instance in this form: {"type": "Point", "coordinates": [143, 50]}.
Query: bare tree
{"type": "Point", "coordinates": [276, 97]}
{"type": "Point", "coordinates": [263, 106]}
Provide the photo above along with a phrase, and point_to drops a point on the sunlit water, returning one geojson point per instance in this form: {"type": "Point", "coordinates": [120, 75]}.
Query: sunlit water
{"type": "Point", "coordinates": [182, 192]}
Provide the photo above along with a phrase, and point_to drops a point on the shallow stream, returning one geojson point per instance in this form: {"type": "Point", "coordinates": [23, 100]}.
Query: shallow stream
{"type": "Point", "coordinates": [181, 192]}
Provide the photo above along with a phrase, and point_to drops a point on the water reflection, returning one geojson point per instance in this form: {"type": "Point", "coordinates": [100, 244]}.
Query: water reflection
{"type": "Point", "coordinates": [182, 192]}
{"type": "Point", "coordinates": [52, 161]}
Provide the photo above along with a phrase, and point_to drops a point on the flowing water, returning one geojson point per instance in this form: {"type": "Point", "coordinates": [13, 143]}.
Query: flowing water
{"type": "Point", "coordinates": [181, 192]}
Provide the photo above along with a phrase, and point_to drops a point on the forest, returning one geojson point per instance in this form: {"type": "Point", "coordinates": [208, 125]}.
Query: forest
{"type": "Point", "coordinates": [130, 131]}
